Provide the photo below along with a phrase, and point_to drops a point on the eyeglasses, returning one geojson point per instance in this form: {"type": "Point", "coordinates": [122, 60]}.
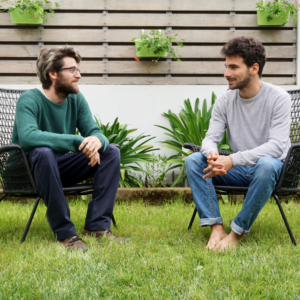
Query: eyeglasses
{"type": "Point", "coordinates": [74, 70]}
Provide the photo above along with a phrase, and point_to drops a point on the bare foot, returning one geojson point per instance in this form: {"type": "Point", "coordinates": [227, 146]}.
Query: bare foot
{"type": "Point", "coordinates": [218, 233]}
{"type": "Point", "coordinates": [230, 241]}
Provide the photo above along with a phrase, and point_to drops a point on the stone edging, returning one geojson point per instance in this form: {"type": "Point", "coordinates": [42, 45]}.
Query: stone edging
{"type": "Point", "coordinates": [151, 196]}
{"type": "Point", "coordinates": [148, 195]}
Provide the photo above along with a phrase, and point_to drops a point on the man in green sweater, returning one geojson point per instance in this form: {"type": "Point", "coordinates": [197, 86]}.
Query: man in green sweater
{"type": "Point", "coordinates": [45, 125]}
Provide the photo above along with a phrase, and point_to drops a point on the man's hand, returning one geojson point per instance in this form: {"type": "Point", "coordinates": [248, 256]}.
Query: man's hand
{"type": "Point", "coordinates": [213, 155]}
{"type": "Point", "coordinates": [90, 146]}
{"type": "Point", "coordinates": [218, 167]}
{"type": "Point", "coordinates": [94, 159]}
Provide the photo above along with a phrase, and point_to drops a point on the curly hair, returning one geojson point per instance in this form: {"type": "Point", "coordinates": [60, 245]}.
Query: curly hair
{"type": "Point", "coordinates": [51, 60]}
{"type": "Point", "coordinates": [250, 49]}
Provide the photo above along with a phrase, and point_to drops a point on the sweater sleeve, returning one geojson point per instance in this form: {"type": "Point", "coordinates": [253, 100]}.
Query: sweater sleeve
{"type": "Point", "coordinates": [278, 136]}
{"type": "Point", "coordinates": [217, 126]}
{"type": "Point", "coordinates": [30, 136]}
{"type": "Point", "coordinates": [86, 124]}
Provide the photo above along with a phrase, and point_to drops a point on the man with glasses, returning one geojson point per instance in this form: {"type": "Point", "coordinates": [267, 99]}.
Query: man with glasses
{"type": "Point", "coordinates": [45, 125]}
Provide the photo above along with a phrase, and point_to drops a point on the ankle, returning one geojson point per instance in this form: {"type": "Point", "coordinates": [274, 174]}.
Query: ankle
{"type": "Point", "coordinates": [236, 236]}
{"type": "Point", "coordinates": [217, 228]}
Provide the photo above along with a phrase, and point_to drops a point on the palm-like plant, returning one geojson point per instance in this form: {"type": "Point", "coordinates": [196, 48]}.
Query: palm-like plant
{"type": "Point", "coordinates": [190, 126]}
{"type": "Point", "coordinates": [132, 149]}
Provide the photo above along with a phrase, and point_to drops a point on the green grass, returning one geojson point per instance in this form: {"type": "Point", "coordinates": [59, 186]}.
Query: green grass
{"type": "Point", "coordinates": [163, 261]}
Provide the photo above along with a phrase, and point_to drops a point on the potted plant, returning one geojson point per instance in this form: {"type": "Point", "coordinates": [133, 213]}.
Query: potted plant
{"type": "Point", "coordinates": [30, 11]}
{"type": "Point", "coordinates": [155, 46]}
{"type": "Point", "coordinates": [276, 13]}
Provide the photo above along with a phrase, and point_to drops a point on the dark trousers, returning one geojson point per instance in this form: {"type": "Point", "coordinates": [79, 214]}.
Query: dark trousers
{"type": "Point", "coordinates": [51, 174]}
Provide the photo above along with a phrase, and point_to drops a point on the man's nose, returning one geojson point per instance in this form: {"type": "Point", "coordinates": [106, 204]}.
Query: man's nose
{"type": "Point", "coordinates": [227, 73]}
{"type": "Point", "coordinates": [78, 75]}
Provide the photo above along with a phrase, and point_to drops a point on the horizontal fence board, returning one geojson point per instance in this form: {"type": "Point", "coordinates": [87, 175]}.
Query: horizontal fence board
{"type": "Point", "coordinates": [146, 80]}
{"type": "Point", "coordinates": [128, 67]}
{"type": "Point", "coordinates": [16, 51]}
{"type": "Point", "coordinates": [153, 5]}
{"type": "Point", "coordinates": [125, 36]}
{"type": "Point", "coordinates": [147, 20]}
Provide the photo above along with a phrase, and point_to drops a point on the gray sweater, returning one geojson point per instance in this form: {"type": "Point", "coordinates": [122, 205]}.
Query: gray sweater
{"type": "Point", "coordinates": [257, 127]}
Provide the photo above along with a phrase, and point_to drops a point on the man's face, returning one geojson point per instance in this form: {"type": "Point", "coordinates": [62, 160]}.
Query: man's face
{"type": "Point", "coordinates": [237, 73]}
{"type": "Point", "coordinates": [66, 82]}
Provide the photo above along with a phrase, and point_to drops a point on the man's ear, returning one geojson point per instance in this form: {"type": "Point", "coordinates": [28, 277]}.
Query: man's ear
{"type": "Point", "coordinates": [53, 75]}
{"type": "Point", "coordinates": [254, 69]}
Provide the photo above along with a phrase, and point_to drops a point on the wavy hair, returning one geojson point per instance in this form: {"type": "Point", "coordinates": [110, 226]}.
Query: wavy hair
{"type": "Point", "coordinates": [250, 49]}
{"type": "Point", "coordinates": [51, 60]}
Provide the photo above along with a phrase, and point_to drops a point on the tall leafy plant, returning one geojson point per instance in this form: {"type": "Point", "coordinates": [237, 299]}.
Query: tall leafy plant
{"type": "Point", "coordinates": [134, 150]}
{"type": "Point", "coordinates": [189, 126]}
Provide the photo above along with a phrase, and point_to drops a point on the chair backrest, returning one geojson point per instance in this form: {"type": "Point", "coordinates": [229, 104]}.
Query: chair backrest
{"type": "Point", "coordinates": [295, 116]}
{"type": "Point", "coordinates": [8, 102]}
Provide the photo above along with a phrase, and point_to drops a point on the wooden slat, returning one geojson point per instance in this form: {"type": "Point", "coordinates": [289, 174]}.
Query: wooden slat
{"type": "Point", "coordinates": [15, 51]}
{"type": "Point", "coordinates": [125, 36]}
{"type": "Point", "coordinates": [146, 20]}
{"type": "Point", "coordinates": [145, 80]}
{"type": "Point", "coordinates": [155, 5]}
{"type": "Point", "coordinates": [163, 67]}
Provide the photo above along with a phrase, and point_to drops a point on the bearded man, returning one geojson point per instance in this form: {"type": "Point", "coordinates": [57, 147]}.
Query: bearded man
{"type": "Point", "coordinates": [45, 125]}
{"type": "Point", "coordinates": [257, 117]}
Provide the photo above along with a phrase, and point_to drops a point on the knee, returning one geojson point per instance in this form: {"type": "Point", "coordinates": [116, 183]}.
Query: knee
{"type": "Point", "coordinates": [113, 152]}
{"type": "Point", "coordinates": [195, 160]}
{"type": "Point", "coordinates": [43, 152]}
{"type": "Point", "coordinates": [268, 166]}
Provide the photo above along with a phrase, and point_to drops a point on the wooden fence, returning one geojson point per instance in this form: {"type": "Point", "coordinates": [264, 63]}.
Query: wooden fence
{"type": "Point", "coordinates": [102, 31]}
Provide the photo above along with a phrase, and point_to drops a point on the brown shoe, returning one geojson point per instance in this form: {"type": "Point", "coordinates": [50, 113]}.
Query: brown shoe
{"type": "Point", "coordinates": [105, 233]}
{"type": "Point", "coordinates": [74, 243]}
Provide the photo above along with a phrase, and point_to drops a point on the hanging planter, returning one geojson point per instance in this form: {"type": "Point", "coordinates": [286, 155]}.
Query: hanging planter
{"type": "Point", "coordinates": [146, 51]}
{"type": "Point", "coordinates": [30, 11]}
{"type": "Point", "coordinates": [156, 46]}
{"type": "Point", "coordinates": [275, 13]}
{"type": "Point", "coordinates": [29, 18]}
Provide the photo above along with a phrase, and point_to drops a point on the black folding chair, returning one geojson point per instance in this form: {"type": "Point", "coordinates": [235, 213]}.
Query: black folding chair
{"type": "Point", "coordinates": [290, 175]}
{"type": "Point", "coordinates": [16, 178]}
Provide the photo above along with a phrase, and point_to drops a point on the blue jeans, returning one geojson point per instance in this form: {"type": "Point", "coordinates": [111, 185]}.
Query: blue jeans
{"type": "Point", "coordinates": [51, 174]}
{"type": "Point", "coordinates": [260, 178]}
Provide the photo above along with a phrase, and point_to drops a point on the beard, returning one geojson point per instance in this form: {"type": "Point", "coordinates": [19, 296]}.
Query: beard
{"type": "Point", "coordinates": [63, 89]}
{"type": "Point", "coordinates": [240, 84]}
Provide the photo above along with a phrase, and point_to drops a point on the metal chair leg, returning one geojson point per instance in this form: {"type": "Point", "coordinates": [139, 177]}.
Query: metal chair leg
{"type": "Point", "coordinates": [30, 219]}
{"type": "Point", "coordinates": [285, 220]}
{"type": "Point", "coordinates": [2, 197]}
{"type": "Point", "coordinates": [114, 221]}
{"type": "Point", "coordinates": [298, 195]}
{"type": "Point", "coordinates": [192, 219]}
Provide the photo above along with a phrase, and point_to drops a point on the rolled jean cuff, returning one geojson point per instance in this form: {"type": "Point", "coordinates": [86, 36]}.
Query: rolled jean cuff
{"type": "Point", "coordinates": [211, 221]}
{"type": "Point", "coordinates": [238, 230]}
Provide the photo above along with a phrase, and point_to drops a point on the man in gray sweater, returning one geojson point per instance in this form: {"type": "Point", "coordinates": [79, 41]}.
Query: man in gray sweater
{"type": "Point", "coordinates": [257, 117]}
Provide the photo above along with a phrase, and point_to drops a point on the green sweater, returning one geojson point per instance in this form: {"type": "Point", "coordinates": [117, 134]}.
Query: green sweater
{"type": "Point", "coordinates": [40, 122]}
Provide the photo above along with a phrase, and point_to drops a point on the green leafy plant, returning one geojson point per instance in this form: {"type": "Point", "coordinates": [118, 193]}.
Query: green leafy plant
{"type": "Point", "coordinates": [133, 150]}
{"type": "Point", "coordinates": [277, 7]}
{"type": "Point", "coordinates": [189, 126]}
{"type": "Point", "coordinates": [25, 7]}
{"type": "Point", "coordinates": [159, 44]}
{"type": "Point", "coordinates": [157, 170]}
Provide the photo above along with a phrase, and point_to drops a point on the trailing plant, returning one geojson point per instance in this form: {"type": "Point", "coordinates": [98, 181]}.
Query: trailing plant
{"type": "Point", "coordinates": [276, 8]}
{"type": "Point", "coordinates": [189, 126]}
{"type": "Point", "coordinates": [133, 150]}
{"type": "Point", "coordinates": [158, 44]}
{"type": "Point", "coordinates": [26, 7]}
{"type": "Point", "coordinates": [157, 170]}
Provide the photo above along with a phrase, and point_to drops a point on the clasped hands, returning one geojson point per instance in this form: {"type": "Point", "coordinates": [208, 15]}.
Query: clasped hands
{"type": "Point", "coordinates": [218, 165]}
{"type": "Point", "coordinates": [90, 147]}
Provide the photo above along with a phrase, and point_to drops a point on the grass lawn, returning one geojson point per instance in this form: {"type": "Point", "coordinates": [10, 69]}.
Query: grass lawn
{"type": "Point", "coordinates": [163, 261]}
